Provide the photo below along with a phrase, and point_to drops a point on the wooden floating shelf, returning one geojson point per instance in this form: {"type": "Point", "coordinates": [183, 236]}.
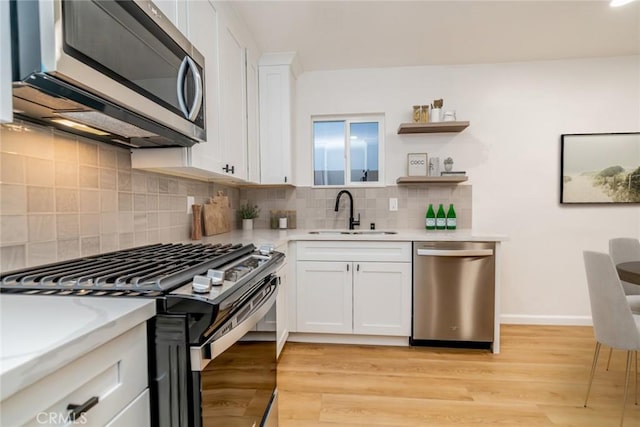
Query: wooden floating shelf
{"type": "Point", "coordinates": [432, 179]}
{"type": "Point", "coordinates": [435, 127]}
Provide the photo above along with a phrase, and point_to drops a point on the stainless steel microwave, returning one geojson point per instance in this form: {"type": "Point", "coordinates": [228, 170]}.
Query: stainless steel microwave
{"type": "Point", "coordinates": [116, 71]}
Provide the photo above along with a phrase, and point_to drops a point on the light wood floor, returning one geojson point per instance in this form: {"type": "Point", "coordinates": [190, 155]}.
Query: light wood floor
{"type": "Point", "coordinates": [539, 379]}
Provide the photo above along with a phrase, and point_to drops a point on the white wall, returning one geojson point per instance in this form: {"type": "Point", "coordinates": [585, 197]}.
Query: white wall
{"type": "Point", "coordinates": [511, 151]}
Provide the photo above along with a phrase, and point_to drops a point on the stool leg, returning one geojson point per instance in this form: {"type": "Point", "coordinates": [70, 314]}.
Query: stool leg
{"type": "Point", "coordinates": [593, 370]}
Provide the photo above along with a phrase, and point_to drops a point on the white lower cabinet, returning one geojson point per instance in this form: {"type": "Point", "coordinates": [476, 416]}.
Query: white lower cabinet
{"type": "Point", "coordinates": [135, 414]}
{"type": "Point", "coordinates": [382, 298]}
{"type": "Point", "coordinates": [111, 381]}
{"type": "Point", "coordinates": [282, 307]}
{"type": "Point", "coordinates": [278, 319]}
{"type": "Point", "coordinates": [325, 297]}
{"type": "Point", "coordinates": [353, 288]}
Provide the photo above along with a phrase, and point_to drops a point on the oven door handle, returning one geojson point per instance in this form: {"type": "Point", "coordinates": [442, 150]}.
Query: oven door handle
{"type": "Point", "coordinates": [202, 355]}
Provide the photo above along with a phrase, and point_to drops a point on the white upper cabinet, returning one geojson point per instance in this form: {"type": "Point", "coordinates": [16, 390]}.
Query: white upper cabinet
{"type": "Point", "coordinates": [176, 11]}
{"type": "Point", "coordinates": [233, 97]}
{"type": "Point", "coordinates": [253, 136]}
{"type": "Point", "coordinates": [277, 94]}
{"type": "Point", "coordinates": [6, 113]}
{"type": "Point", "coordinates": [230, 97]}
{"type": "Point", "coordinates": [203, 23]}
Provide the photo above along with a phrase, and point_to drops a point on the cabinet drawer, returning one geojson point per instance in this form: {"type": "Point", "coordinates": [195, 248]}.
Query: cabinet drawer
{"type": "Point", "coordinates": [137, 413]}
{"type": "Point", "coordinates": [354, 251]}
{"type": "Point", "coordinates": [115, 372]}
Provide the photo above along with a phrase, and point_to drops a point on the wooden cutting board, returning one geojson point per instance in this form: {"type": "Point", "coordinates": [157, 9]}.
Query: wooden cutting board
{"type": "Point", "coordinates": [216, 215]}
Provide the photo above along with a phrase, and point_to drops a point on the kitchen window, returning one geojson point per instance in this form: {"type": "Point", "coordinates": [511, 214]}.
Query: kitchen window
{"type": "Point", "coordinates": [348, 151]}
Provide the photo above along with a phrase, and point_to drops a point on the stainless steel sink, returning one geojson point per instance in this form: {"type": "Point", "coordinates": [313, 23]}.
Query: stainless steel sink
{"type": "Point", "coordinates": [353, 232]}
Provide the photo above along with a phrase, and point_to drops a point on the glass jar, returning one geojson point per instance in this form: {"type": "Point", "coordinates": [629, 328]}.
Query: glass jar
{"type": "Point", "coordinates": [416, 114]}
{"type": "Point", "coordinates": [424, 116]}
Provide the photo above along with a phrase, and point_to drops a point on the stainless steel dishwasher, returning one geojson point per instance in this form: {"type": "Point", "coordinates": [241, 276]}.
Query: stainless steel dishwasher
{"type": "Point", "coordinates": [453, 293]}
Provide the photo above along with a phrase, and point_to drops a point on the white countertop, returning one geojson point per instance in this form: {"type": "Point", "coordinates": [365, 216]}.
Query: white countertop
{"type": "Point", "coordinates": [280, 237]}
{"type": "Point", "coordinates": [40, 334]}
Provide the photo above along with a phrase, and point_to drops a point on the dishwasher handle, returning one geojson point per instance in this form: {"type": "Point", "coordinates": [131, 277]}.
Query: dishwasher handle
{"type": "Point", "coordinates": [455, 252]}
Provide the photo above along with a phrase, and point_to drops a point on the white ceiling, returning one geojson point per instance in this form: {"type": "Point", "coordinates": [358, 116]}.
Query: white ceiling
{"type": "Point", "coordinates": [355, 34]}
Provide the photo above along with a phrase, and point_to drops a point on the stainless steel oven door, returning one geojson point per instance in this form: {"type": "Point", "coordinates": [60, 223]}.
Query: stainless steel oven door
{"type": "Point", "coordinates": [236, 371]}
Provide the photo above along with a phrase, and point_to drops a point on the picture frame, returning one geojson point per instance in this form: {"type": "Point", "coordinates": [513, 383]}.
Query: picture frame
{"type": "Point", "coordinates": [417, 164]}
{"type": "Point", "coordinates": [600, 168]}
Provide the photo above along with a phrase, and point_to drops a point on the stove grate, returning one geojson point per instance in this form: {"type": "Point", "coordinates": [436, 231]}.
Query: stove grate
{"type": "Point", "coordinates": [158, 267]}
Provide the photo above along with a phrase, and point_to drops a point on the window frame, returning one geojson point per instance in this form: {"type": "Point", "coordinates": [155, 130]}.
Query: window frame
{"type": "Point", "coordinates": [348, 119]}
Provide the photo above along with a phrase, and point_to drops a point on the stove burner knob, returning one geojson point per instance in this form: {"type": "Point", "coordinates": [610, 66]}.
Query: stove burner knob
{"type": "Point", "coordinates": [266, 249]}
{"type": "Point", "coordinates": [201, 284]}
{"type": "Point", "coordinates": [216, 276]}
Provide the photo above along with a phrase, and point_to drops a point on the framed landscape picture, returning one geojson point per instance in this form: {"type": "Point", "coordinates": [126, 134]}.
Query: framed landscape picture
{"type": "Point", "coordinates": [600, 168]}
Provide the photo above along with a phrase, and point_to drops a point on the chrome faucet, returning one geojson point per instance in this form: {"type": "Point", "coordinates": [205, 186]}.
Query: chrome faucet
{"type": "Point", "coordinates": [352, 222]}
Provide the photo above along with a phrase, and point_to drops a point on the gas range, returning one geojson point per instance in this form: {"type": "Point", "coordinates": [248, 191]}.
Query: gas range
{"type": "Point", "coordinates": [209, 282]}
{"type": "Point", "coordinates": [212, 338]}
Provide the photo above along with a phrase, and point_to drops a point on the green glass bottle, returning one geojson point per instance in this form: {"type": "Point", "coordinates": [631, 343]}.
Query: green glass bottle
{"type": "Point", "coordinates": [430, 218]}
{"type": "Point", "coordinates": [441, 218]}
{"type": "Point", "coordinates": [451, 218]}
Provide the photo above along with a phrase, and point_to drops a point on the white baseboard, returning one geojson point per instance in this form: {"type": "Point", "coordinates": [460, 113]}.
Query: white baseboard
{"type": "Point", "coordinates": [520, 319]}
{"type": "Point", "coordinates": [348, 339]}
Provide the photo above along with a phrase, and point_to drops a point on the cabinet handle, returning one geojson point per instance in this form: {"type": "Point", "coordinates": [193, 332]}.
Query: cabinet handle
{"type": "Point", "coordinates": [78, 410]}
{"type": "Point", "coordinates": [228, 169]}
{"type": "Point", "coordinates": [357, 267]}
{"type": "Point", "coordinates": [347, 267]}
{"type": "Point", "coordinates": [285, 179]}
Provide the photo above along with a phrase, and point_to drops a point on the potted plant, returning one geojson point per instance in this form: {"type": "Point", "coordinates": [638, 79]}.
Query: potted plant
{"type": "Point", "coordinates": [247, 213]}
{"type": "Point", "coordinates": [448, 164]}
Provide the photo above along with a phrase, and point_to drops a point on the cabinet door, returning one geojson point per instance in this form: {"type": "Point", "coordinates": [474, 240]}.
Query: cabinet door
{"type": "Point", "coordinates": [324, 296]}
{"type": "Point", "coordinates": [276, 97]}
{"type": "Point", "coordinates": [253, 139]}
{"type": "Point", "coordinates": [282, 308]}
{"type": "Point", "coordinates": [233, 120]}
{"type": "Point", "coordinates": [137, 413]}
{"type": "Point", "coordinates": [203, 33]}
{"type": "Point", "coordinates": [115, 372]}
{"type": "Point", "coordinates": [382, 298]}
{"type": "Point", "coordinates": [176, 11]}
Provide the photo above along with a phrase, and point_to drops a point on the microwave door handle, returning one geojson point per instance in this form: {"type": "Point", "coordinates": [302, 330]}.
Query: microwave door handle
{"type": "Point", "coordinates": [188, 65]}
{"type": "Point", "coordinates": [182, 72]}
{"type": "Point", "coordinates": [197, 99]}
